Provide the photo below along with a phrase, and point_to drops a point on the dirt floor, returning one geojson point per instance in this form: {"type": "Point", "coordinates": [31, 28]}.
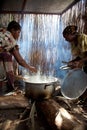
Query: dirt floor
{"type": "Point", "coordinates": [18, 113]}
{"type": "Point", "coordinates": [15, 116]}
{"type": "Point", "coordinates": [19, 118]}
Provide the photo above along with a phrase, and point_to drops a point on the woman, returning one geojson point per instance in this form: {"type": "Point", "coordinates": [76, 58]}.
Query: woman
{"type": "Point", "coordinates": [78, 44]}
{"type": "Point", "coordinates": [9, 48]}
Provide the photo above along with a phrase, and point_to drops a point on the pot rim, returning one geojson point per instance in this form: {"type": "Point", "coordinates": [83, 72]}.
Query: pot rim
{"type": "Point", "coordinates": [51, 82]}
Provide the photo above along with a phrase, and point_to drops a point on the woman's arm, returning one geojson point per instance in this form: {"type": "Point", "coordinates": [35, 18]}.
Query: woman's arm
{"type": "Point", "coordinates": [21, 61]}
{"type": "Point", "coordinates": [79, 63]}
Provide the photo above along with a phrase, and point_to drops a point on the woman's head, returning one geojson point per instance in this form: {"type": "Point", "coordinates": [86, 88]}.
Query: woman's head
{"type": "Point", "coordinates": [15, 28]}
{"type": "Point", "coordinates": [69, 32]}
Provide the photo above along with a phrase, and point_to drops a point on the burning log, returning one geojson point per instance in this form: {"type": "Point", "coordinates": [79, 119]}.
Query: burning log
{"type": "Point", "coordinates": [58, 117]}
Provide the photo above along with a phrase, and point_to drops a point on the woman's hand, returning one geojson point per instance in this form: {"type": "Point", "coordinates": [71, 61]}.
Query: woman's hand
{"type": "Point", "coordinates": [75, 64]}
{"type": "Point", "coordinates": [33, 69]}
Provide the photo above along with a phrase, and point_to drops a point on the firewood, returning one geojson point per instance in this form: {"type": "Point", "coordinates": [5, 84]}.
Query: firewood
{"type": "Point", "coordinates": [58, 117]}
{"type": "Point", "coordinates": [13, 101]}
{"type": "Point", "coordinates": [14, 124]}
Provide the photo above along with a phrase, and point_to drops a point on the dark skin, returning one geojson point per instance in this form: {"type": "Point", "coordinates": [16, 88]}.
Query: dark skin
{"type": "Point", "coordinates": [17, 55]}
{"type": "Point", "coordinates": [77, 62]}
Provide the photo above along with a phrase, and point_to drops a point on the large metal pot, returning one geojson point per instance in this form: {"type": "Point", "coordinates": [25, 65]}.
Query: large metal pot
{"type": "Point", "coordinates": [42, 89]}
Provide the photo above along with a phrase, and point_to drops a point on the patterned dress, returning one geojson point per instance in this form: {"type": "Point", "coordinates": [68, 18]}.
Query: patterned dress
{"type": "Point", "coordinates": [7, 43]}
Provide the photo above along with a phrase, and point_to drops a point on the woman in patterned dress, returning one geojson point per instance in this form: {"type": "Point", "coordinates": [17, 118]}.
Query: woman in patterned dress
{"type": "Point", "coordinates": [8, 49]}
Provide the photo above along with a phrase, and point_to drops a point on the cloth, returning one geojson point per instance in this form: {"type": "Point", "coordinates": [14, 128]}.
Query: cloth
{"type": "Point", "coordinates": [7, 43]}
{"type": "Point", "coordinates": [81, 47]}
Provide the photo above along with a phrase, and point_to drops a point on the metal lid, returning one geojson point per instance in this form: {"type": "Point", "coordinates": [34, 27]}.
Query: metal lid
{"type": "Point", "coordinates": [74, 84]}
